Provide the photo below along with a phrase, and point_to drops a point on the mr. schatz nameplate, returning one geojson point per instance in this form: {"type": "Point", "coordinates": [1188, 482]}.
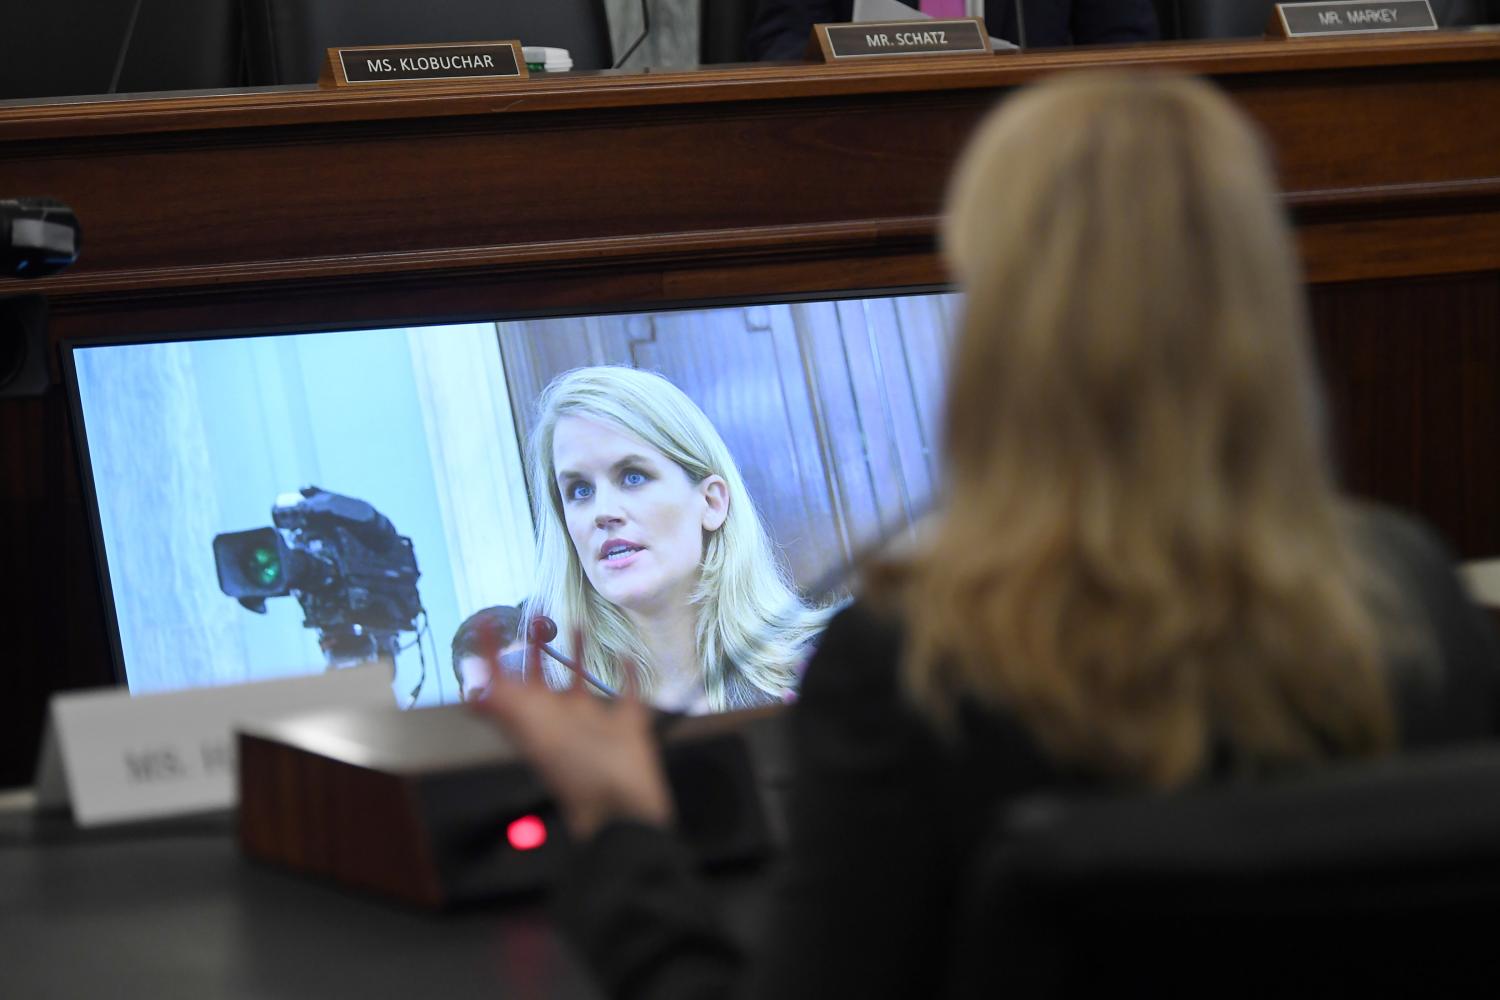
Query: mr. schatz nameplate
{"type": "Point", "coordinates": [1351, 17]}
{"type": "Point", "coordinates": [425, 63]}
{"type": "Point", "coordinates": [965, 36]}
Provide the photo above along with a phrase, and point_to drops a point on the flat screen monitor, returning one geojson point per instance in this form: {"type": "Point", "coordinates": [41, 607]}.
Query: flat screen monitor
{"type": "Point", "coordinates": [271, 505]}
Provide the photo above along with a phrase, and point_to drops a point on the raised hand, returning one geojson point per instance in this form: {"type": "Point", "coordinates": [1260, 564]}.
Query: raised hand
{"type": "Point", "coordinates": [598, 756]}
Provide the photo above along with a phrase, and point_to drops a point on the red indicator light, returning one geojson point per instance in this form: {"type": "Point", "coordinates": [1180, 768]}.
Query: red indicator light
{"type": "Point", "coordinates": [527, 833]}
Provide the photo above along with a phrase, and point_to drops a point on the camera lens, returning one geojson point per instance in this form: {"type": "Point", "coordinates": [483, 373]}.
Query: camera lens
{"type": "Point", "coordinates": [264, 566]}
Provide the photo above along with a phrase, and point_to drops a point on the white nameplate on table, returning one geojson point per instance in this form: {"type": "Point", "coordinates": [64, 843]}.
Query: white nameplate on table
{"type": "Point", "coordinates": [116, 758]}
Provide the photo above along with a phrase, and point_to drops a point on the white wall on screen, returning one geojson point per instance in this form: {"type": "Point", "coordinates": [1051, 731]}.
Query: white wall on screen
{"type": "Point", "coordinates": [188, 440]}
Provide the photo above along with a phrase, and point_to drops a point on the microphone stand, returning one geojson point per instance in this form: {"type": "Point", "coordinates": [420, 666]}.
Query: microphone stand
{"type": "Point", "coordinates": [114, 81]}
{"type": "Point", "coordinates": [540, 632]}
{"type": "Point", "coordinates": [574, 666]}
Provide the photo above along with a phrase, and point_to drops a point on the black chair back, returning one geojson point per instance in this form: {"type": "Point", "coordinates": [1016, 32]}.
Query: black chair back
{"type": "Point", "coordinates": [67, 47]}
{"type": "Point", "coordinates": [1166, 18]}
{"type": "Point", "coordinates": [1221, 18]}
{"type": "Point", "coordinates": [1377, 879]}
{"type": "Point", "coordinates": [1459, 13]}
{"type": "Point", "coordinates": [286, 40]}
{"type": "Point", "coordinates": [724, 30]}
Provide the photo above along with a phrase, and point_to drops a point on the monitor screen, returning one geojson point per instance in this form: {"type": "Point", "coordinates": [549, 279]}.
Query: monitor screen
{"type": "Point", "coordinates": [276, 505]}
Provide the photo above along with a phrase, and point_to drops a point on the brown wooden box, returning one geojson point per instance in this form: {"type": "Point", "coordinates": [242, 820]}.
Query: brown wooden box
{"type": "Point", "coordinates": [416, 805]}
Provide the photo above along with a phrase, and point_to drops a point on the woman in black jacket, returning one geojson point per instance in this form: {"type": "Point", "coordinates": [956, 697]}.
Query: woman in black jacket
{"type": "Point", "coordinates": [1140, 575]}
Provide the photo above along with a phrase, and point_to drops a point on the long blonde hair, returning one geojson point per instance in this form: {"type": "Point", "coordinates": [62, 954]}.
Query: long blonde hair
{"type": "Point", "coordinates": [1140, 552]}
{"type": "Point", "coordinates": [752, 628]}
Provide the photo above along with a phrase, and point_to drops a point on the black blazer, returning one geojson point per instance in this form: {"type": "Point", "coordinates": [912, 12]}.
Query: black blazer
{"type": "Point", "coordinates": [782, 27]}
{"type": "Point", "coordinates": [885, 816]}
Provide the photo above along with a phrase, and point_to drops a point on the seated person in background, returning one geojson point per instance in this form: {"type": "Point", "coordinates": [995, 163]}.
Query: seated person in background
{"type": "Point", "coordinates": [649, 545]}
{"type": "Point", "coordinates": [480, 642]}
{"type": "Point", "coordinates": [782, 27]}
{"type": "Point", "coordinates": [1141, 576]}
{"type": "Point", "coordinates": [1458, 13]}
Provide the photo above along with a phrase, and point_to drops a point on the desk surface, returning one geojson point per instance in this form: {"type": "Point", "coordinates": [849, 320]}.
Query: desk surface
{"type": "Point", "coordinates": [175, 911]}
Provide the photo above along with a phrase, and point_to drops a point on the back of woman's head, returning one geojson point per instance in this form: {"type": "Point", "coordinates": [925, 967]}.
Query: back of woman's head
{"type": "Point", "coordinates": [1140, 552]}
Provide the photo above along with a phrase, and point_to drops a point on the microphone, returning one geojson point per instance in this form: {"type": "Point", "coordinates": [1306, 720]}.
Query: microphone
{"type": "Point", "coordinates": [114, 81]}
{"type": "Point", "coordinates": [645, 30]}
{"type": "Point", "coordinates": [1020, 24]}
{"type": "Point", "coordinates": [540, 631]}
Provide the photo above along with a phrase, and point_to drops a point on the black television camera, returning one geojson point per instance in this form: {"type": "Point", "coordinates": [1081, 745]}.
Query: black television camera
{"type": "Point", "coordinates": [354, 576]}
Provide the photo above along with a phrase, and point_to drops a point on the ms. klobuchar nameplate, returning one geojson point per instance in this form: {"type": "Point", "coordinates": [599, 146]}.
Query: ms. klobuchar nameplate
{"type": "Point", "coordinates": [425, 63]}
{"type": "Point", "coordinates": [964, 36]}
{"type": "Point", "coordinates": [1350, 17]}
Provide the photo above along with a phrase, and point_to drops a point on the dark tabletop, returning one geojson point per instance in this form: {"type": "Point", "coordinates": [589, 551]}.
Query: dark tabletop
{"type": "Point", "coordinates": [173, 910]}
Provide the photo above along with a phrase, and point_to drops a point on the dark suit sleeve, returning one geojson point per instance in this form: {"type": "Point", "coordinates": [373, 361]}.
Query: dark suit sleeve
{"type": "Point", "coordinates": [782, 27]}
{"type": "Point", "coordinates": [864, 899]}
{"type": "Point", "coordinates": [1119, 21]}
{"type": "Point", "coordinates": [861, 901]}
{"type": "Point", "coordinates": [646, 925]}
{"type": "Point", "coordinates": [1448, 686]}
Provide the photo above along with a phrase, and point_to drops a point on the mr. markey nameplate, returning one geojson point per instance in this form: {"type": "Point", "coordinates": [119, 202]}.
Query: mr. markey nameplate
{"type": "Point", "coordinates": [902, 38]}
{"type": "Point", "coordinates": [1351, 17]}
{"type": "Point", "coordinates": [418, 63]}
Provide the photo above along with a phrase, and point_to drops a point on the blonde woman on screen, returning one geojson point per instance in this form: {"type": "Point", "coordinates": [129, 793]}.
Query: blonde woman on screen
{"type": "Point", "coordinates": [648, 543]}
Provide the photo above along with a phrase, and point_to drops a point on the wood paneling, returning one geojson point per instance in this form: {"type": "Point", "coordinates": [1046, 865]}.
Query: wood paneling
{"type": "Point", "coordinates": [302, 185]}
{"type": "Point", "coordinates": [1412, 370]}
{"type": "Point", "coordinates": [297, 209]}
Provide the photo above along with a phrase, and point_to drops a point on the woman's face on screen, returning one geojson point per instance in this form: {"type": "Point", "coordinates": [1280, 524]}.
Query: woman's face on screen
{"type": "Point", "coordinates": [637, 520]}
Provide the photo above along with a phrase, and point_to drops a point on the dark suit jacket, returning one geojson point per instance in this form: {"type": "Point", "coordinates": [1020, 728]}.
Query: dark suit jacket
{"type": "Point", "coordinates": [885, 816]}
{"type": "Point", "coordinates": [782, 27]}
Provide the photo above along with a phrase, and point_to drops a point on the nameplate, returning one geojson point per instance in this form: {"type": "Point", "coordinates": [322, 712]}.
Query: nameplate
{"type": "Point", "coordinates": [886, 39]}
{"type": "Point", "coordinates": [115, 757]}
{"type": "Point", "coordinates": [1350, 17]}
{"type": "Point", "coordinates": [424, 63]}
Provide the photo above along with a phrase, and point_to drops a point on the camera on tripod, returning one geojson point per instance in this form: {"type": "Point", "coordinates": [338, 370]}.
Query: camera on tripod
{"type": "Point", "coordinates": [353, 574]}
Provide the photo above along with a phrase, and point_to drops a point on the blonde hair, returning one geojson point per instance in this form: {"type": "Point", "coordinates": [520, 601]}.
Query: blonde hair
{"type": "Point", "coordinates": [752, 628]}
{"type": "Point", "coordinates": [1140, 552]}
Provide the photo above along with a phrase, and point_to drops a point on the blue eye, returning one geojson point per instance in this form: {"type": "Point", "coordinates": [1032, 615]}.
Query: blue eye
{"type": "Point", "coordinates": [634, 477]}
{"type": "Point", "coordinates": [578, 490]}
